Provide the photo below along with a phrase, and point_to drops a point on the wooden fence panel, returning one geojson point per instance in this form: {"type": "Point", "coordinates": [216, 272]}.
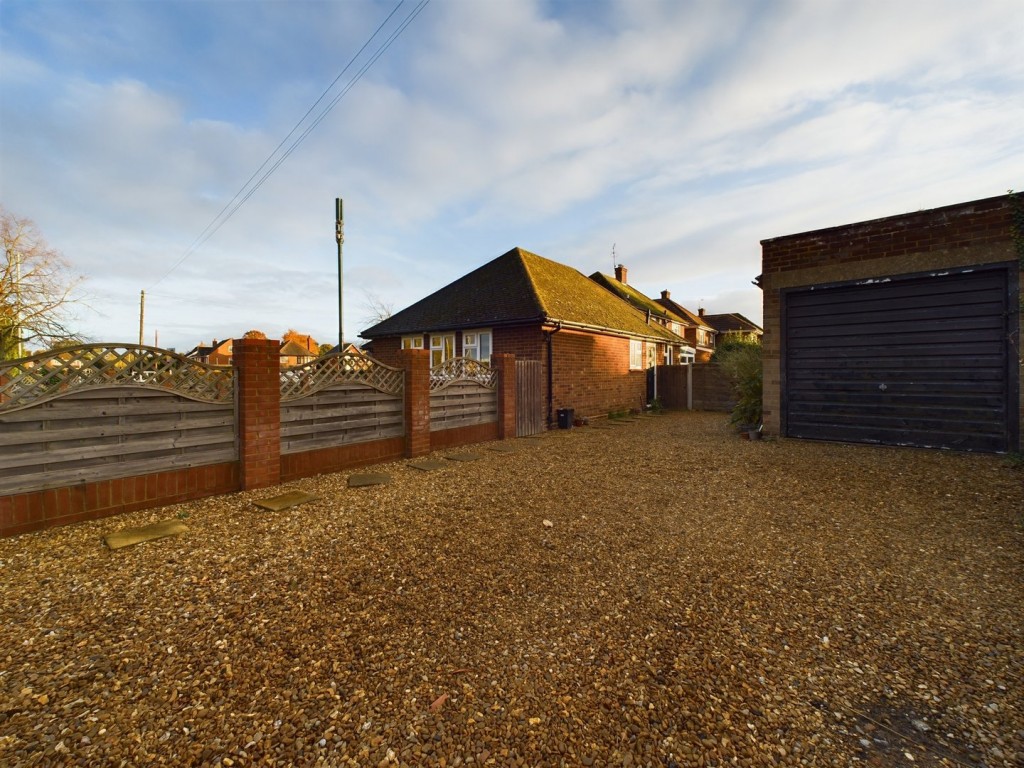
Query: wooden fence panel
{"type": "Point", "coordinates": [462, 403]}
{"type": "Point", "coordinates": [109, 433]}
{"type": "Point", "coordinates": [340, 415]}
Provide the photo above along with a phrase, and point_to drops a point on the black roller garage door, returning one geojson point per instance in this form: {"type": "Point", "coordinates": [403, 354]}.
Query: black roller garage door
{"type": "Point", "coordinates": [921, 360]}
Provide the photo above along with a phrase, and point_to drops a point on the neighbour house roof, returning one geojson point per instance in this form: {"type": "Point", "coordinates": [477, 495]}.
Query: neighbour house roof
{"type": "Point", "coordinates": [517, 288]}
{"type": "Point", "coordinates": [628, 293]}
{"type": "Point", "coordinates": [733, 321]}
{"type": "Point", "coordinates": [683, 312]}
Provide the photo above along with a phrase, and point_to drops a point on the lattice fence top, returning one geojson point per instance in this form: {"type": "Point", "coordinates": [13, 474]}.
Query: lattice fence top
{"type": "Point", "coordinates": [75, 369]}
{"type": "Point", "coordinates": [462, 369]}
{"type": "Point", "coordinates": [337, 368]}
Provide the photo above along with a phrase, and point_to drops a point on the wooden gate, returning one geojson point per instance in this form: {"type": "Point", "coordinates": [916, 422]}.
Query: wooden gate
{"type": "Point", "coordinates": [529, 398]}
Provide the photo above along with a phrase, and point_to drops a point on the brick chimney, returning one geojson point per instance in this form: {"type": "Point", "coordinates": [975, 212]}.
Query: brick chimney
{"type": "Point", "coordinates": [620, 273]}
{"type": "Point", "coordinates": [700, 311]}
{"type": "Point", "coordinates": [665, 295]}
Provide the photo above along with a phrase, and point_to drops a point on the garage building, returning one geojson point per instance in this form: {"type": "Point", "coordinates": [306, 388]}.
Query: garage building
{"type": "Point", "coordinates": [898, 331]}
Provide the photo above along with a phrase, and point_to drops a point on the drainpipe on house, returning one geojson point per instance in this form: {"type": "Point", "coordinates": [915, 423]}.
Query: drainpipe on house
{"type": "Point", "coordinates": [551, 378]}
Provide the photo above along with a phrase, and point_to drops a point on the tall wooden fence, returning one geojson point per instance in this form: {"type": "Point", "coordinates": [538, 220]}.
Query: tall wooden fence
{"type": "Point", "coordinates": [711, 390]}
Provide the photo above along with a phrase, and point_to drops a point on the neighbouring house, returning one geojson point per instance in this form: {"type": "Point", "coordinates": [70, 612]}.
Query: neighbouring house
{"type": "Point", "coordinates": [220, 352]}
{"type": "Point", "coordinates": [904, 330]}
{"type": "Point", "coordinates": [674, 354]}
{"type": "Point", "coordinates": [214, 353]}
{"type": "Point", "coordinates": [696, 329]}
{"type": "Point", "coordinates": [732, 326]}
{"type": "Point", "coordinates": [592, 347]}
{"type": "Point", "coordinates": [293, 353]}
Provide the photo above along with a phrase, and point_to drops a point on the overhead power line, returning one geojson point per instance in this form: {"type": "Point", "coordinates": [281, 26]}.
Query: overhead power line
{"type": "Point", "coordinates": [277, 157]}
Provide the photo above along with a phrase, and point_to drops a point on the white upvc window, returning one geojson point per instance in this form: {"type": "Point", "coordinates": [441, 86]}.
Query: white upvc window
{"type": "Point", "coordinates": [636, 355]}
{"type": "Point", "coordinates": [476, 345]}
{"type": "Point", "coordinates": [442, 347]}
{"type": "Point", "coordinates": [412, 342]}
{"type": "Point", "coordinates": [652, 354]}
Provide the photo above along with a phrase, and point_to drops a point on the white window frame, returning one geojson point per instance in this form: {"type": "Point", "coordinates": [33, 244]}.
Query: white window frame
{"type": "Point", "coordinates": [652, 354]}
{"type": "Point", "coordinates": [412, 342]}
{"type": "Point", "coordinates": [478, 345]}
{"type": "Point", "coordinates": [442, 348]}
{"type": "Point", "coordinates": [636, 355]}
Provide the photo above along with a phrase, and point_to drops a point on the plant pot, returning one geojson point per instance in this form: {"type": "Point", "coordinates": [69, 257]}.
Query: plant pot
{"type": "Point", "coordinates": [754, 434]}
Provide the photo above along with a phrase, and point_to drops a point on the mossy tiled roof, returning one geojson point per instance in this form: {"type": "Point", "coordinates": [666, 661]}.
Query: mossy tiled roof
{"type": "Point", "coordinates": [520, 287]}
{"type": "Point", "coordinates": [633, 296]}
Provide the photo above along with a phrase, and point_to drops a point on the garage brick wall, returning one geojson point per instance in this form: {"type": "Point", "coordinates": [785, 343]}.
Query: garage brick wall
{"type": "Point", "coordinates": [966, 234]}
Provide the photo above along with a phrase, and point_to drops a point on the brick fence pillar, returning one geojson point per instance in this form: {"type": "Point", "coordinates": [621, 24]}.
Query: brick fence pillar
{"type": "Point", "coordinates": [416, 363]}
{"type": "Point", "coordinates": [258, 369]}
{"type": "Point", "coordinates": [505, 365]}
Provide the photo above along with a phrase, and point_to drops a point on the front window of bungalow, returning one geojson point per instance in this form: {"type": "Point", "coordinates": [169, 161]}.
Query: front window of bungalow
{"type": "Point", "coordinates": [636, 354]}
{"type": "Point", "coordinates": [442, 347]}
{"type": "Point", "coordinates": [412, 342]}
{"type": "Point", "coordinates": [476, 345]}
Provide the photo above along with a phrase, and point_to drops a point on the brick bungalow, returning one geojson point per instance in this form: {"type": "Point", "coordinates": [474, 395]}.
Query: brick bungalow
{"type": "Point", "coordinates": [593, 347]}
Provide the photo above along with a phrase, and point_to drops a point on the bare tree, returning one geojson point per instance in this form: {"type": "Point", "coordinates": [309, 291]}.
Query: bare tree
{"type": "Point", "coordinates": [37, 289]}
{"type": "Point", "coordinates": [377, 310]}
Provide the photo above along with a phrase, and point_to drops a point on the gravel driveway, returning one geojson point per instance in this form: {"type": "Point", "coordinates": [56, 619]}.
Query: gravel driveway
{"type": "Point", "coordinates": [658, 593]}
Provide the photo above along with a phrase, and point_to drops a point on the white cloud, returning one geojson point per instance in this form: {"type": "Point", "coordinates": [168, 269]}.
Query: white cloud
{"type": "Point", "coordinates": [683, 132]}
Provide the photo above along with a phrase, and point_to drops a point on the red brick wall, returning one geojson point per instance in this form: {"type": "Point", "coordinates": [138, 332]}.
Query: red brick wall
{"type": "Point", "coordinates": [295, 466]}
{"type": "Point", "coordinates": [259, 411]}
{"type": "Point", "coordinates": [966, 225]}
{"type": "Point", "coordinates": [525, 342]}
{"type": "Point", "coordinates": [33, 511]}
{"type": "Point", "coordinates": [592, 376]}
{"type": "Point", "coordinates": [386, 351]}
{"type": "Point", "coordinates": [475, 433]}
{"type": "Point", "coordinates": [416, 363]}
{"type": "Point", "coordinates": [505, 365]}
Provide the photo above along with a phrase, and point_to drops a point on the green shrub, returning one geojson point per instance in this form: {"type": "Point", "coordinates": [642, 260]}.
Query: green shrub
{"type": "Point", "coordinates": [740, 361]}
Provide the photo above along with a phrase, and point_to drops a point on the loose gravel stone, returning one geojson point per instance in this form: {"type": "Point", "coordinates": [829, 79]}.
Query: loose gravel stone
{"type": "Point", "coordinates": [659, 594]}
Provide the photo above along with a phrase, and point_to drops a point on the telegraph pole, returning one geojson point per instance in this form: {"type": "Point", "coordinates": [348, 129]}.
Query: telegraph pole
{"type": "Point", "coordinates": [339, 223]}
{"type": "Point", "coordinates": [142, 313]}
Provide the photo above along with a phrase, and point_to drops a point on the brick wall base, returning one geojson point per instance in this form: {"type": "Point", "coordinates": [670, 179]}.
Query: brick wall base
{"type": "Point", "coordinates": [325, 460]}
{"type": "Point", "coordinates": [26, 512]}
{"type": "Point", "coordinates": [450, 438]}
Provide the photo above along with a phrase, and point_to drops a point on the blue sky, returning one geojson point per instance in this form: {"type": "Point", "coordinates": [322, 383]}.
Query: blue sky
{"type": "Point", "coordinates": [681, 132]}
